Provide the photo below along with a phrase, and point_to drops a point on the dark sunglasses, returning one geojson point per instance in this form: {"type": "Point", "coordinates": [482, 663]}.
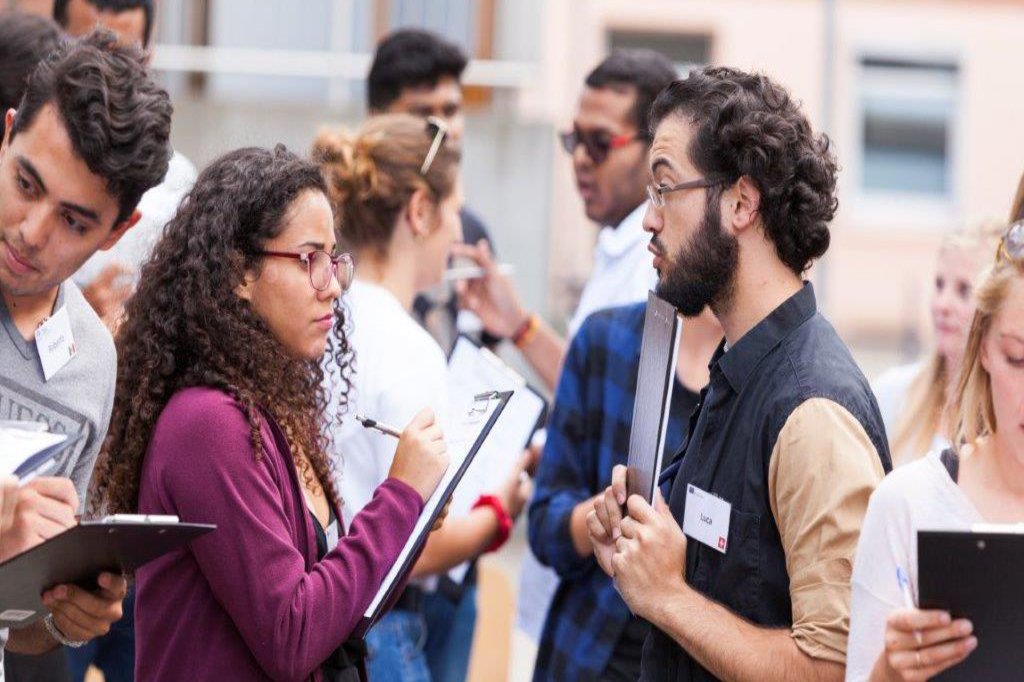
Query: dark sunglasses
{"type": "Point", "coordinates": [597, 145]}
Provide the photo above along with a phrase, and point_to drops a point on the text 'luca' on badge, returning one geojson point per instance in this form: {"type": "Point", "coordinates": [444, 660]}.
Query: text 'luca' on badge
{"type": "Point", "coordinates": [706, 518]}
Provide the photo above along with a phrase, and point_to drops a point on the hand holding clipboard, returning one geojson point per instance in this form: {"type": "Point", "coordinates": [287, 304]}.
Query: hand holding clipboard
{"type": "Point", "coordinates": [465, 437]}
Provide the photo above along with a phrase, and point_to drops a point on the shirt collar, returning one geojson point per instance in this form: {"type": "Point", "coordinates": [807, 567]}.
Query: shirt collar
{"type": "Point", "coordinates": [615, 241]}
{"type": "Point", "coordinates": [746, 354]}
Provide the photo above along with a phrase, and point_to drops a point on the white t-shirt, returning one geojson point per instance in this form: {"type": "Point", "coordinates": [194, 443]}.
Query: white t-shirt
{"type": "Point", "coordinates": [918, 496]}
{"type": "Point", "coordinates": [890, 389]}
{"type": "Point", "coordinates": [623, 269]}
{"type": "Point", "coordinates": [157, 207]}
{"type": "Point", "coordinates": [398, 370]}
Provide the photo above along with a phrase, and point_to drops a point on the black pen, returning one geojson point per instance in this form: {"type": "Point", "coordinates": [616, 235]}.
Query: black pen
{"type": "Point", "coordinates": [378, 426]}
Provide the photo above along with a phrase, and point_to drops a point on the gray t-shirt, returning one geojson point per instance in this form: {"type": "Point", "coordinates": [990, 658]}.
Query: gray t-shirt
{"type": "Point", "coordinates": [77, 399]}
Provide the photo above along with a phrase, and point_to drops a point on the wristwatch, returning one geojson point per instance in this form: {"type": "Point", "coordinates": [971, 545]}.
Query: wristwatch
{"type": "Point", "coordinates": [55, 632]}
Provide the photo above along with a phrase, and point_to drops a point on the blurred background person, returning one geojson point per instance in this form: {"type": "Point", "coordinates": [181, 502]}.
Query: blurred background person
{"type": "Point", "coordinates": [589, 632]}
{"type": "Point", "coordinates": [397, 192]}
{"type": "Point", "coordinates": [418, 72]}
{"type": "Point", "coordinates": [977, 480]}
{"type": "Point", "coordinates": [608, 144]}
{"type": "Point", "coordinates": [109, 277]}
{"type": "Point", "coordinates": [24, 40]}
{"type": "Point", "coordinates": [913, 398]}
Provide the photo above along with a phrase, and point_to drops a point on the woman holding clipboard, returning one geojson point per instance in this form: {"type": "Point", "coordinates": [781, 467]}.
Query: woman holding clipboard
{"type": "Point", "coordinates": [396, 193]}
{"type": "Point", "coordinates": [219, 417]}
{"type": "Point", "coordinates": [978, 480]}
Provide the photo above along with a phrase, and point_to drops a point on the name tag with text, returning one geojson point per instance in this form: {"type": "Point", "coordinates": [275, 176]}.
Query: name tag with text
{"type": "Point", "coordinates": [55, 343]}
{"type": "Point", "coordinates": [706, 518]}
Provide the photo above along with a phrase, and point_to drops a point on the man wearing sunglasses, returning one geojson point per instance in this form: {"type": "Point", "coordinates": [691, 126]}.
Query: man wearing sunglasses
{"type": "Point", "coordinates": [608, 144]}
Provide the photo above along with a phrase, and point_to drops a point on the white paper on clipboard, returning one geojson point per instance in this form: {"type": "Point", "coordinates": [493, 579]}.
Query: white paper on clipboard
{"type": "Point", "coordinates": [472, 370]}
{"type": "Point", "coordinates": [466, 427]}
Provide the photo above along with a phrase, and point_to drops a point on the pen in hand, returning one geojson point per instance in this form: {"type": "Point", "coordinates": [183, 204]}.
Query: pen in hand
{"type": "Point", "coordinates": [378, 426]}
{"type": "Point", "coordinates": [908, 599]}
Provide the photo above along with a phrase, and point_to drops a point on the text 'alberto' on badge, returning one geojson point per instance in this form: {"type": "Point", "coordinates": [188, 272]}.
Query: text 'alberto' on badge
{"type": "Point", "coordinates": [55, 343]}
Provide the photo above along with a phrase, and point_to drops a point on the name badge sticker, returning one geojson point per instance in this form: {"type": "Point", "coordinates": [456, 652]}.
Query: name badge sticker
{"type": "Point", "coordinates": [55, 343]}
{"type": "Point", "coordinates": [706, 519]}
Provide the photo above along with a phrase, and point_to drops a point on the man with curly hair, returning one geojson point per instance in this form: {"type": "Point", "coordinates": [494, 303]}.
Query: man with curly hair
{"type": "Point", "coordinates": [744, 573]}
{"type": "Point", "coordinates": [89, 137]}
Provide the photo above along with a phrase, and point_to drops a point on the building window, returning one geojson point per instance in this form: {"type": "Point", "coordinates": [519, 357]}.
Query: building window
{"type": "Point", "coordinates": [908, 112]}
{"type": "Point", "coordinates": [687, 51]}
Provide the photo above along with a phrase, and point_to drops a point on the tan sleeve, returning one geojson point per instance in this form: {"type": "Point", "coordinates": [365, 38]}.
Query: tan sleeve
{"type": "Point", "coordinates": [822, 472]}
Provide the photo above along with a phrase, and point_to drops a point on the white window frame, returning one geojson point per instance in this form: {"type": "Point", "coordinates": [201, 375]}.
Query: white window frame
{"type": "Point", "coordinates": [880, 208]}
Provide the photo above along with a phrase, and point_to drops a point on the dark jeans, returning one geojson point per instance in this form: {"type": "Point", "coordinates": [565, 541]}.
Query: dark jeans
{"type": "Point", "coordinates": [449, 634]}
{"type": "Point", "coordinates": [113, 654]}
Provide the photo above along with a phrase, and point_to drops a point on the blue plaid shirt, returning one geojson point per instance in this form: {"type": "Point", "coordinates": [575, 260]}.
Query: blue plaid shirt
{"type": "Point", "coordinates": [588, 434]}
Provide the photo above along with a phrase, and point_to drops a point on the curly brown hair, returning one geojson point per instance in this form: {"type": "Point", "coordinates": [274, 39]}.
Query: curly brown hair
{"type": "Point", "coordinates": [185, 326]}
{"type": "Point", "coordinates": [748, 125]}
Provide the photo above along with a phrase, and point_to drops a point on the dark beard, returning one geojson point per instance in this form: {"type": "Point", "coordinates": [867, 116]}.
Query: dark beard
{"type": "Point", "coordinates": [701, 274]}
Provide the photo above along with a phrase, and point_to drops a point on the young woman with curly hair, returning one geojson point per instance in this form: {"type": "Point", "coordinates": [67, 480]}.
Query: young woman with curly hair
{"type": "Point", "coordinates": [220, 417]}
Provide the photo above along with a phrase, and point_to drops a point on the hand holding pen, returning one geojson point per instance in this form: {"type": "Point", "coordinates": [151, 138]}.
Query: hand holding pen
{"type": "Point", "coordinates": [421, 457]}
{"type": "Point", "coordinates": [920, 644]}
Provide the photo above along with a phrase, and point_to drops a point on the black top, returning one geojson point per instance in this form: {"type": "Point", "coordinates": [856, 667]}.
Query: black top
{"type": "Point", "coordinates": [791, 356]}
{"type": "Point", "coordinates": [342, 664]}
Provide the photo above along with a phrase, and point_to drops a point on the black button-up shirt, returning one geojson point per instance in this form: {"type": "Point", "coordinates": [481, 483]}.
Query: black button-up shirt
{"type": "Point", "coordinates": [789, 433]}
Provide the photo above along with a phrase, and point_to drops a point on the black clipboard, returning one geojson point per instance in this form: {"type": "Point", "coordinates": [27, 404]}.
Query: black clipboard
{"type": "Point", "coordinates": [414, 545]}
{"type": "Point", "coordinates": [79, 555]}
{"type": "Point", "coordinates": [976, 575]}
{"type": "Point", "coordinates": [655, 379]}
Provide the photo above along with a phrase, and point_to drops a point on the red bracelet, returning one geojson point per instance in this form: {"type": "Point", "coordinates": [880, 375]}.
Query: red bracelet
{"type": "Point", "coordinates": [524, 333]}
{"type": "Point", "coordinates": [504, 520]}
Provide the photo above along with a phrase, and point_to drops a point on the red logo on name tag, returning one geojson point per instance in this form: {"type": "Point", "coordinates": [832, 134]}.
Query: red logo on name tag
{"type": "Point", "coordinates": [721, 542]}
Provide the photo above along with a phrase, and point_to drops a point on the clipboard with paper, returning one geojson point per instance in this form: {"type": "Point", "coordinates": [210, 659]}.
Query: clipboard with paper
{"type": "Point", "coordinates": [473, 369]}
{"type": "Point", "coordinates": [27, 450]}
{"type": "Point", "coordinates": [467, 432]}
{"type": "Point", "coordinates": [79, 554]}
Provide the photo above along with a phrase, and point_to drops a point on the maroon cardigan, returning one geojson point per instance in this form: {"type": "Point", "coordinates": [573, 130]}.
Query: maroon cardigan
{"type": "Point", "coordinates": [249, 601]}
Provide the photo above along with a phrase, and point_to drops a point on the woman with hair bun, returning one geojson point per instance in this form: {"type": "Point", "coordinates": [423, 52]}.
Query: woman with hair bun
{"type": "Point", "coordinates": [220, 417]}
{"type": "Point", "coordinates": [396, 193]}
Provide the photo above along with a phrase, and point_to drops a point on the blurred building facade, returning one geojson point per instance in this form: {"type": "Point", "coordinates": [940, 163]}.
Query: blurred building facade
{"type": "Point", "coordinates": [921, 98]}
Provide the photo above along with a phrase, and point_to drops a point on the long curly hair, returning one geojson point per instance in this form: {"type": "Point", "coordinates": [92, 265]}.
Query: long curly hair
{"type": "Point", "coordinates": [185, 326]}
{"type": "Point", "coordinates": [745, 124]}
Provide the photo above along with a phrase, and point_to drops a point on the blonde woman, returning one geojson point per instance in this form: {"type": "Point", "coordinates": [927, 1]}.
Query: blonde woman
{"type": "Point", "coordinates": [980, 479]}
{"type": "Point", "coordinates": [912, 398]}
{"type": "Point", "coordinates": [396, 193]}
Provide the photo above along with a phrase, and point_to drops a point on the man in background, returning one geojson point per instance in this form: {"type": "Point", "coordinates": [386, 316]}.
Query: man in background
{"type": "Point", "coordinates": [420, 73]}
{"type": "Point", "coordinates": [108, 278]}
